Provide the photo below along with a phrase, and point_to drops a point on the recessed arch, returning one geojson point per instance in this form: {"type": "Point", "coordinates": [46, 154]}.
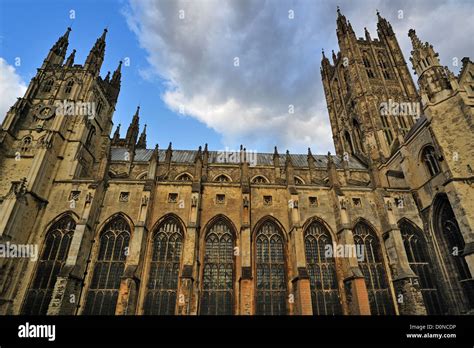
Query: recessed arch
{"type": "Point", "coordinates": [218, 267]}
{"type": "Point", "coordinates": [420, 262]}
{"type": "Point", "coordinates": [165, 257]}
{"type": "Point", "coordinates": [185, 176]}
{"type": "Point", "coordinates": [429, 159]}
{"type": "Point", "coordinates": [143, 175]}
{"type": "Point", "coordinates": [321, 268]}
{"type": "Point", "coordinates": [259, 179]}
{"type": "Point", "coordinates": [222, 178]}
{"type": "Point", "coordinates": [299, 180]}
{"type": "Point", "coordinates": [270, 259]}
{"type": "Point", "coordinates": [452, 244]}
{"type": "Point", "coordinates": [373, 268]}
{"type": "Point", "coordinates": [53, 256]}
{"type": "Point", "coordinates": [112, 251]}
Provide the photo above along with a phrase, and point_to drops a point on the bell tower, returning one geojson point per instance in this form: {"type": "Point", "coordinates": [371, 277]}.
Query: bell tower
{"type": "Point", "coordinates": [365, 78]}
{"type": "Point", "coordinates": [59, 130]}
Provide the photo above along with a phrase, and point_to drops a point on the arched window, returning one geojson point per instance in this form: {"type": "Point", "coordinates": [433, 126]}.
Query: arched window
{"type": "Point", "coordinates": [113, 250]}
{"type": "Point", "coordinates": [349, 146]}
{"type": "Point", "coordinates": [271, 291]}
{"type": "Point", "coordinates": [367, 65]}
{"type": "Point", "coordinates": [26, 144]}
{"type": "Point", "coordinates": [259, 180]}
{"type": "Point", "coordinates": [69, 85]}
{"type": "Point", "coordinates": [184, 177]}
{"type": "Point", "coordinates": [222, 178]}
{"type": "Point", "coordinates": [90, 137]}
{"type": "Point", "coordinates": [415, 247]}
{"type": "Point", "coordinates": [48, 85]}
{"type": "Point", "coordinates": [217, 296]}
{"type": "Point", "coordinates": [447, 227]}
{"type": "Point", "coordinates": [373, 269]}
{"type": "Point", "coordinates": [298, 181]}
{"type": "Point", "coordinates": [429, 158]}
{"type": "Point", "coordinates": [54, 254]}
{"type": "Point", "coordinates": [322, 271]}
{"type": "Point", "coordinates": [384, 65]}
{"type": "Point", "coordinates": [162, 284]}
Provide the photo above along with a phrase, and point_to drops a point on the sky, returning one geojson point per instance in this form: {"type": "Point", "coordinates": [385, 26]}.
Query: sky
{"type": "Point", "coordinates": [222, 72]}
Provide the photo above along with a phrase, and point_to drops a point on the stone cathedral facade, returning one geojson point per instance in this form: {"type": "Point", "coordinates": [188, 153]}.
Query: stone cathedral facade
{"type": "Point", "coordinates": [384, 227]}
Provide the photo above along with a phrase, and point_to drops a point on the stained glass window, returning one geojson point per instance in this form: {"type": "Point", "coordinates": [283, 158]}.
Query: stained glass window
{"type": "Point", "coordinates": [449, 228]}
{"type": "Point", "coordinates": [162, 284]}
{"type": "Point", "coordinates": [373, 269]}
{"type": "Point", "coordinates": [108, 270]}
{"type": "Point", "coordinates": [54, 254]}
{"type": "Point", "coordinates": [271, 291]}
{"type": "Point", "coordinates": [217, 297]}
{"type": "Point", "coordinates": [415, 247]}
{"type": "Point", "coordinates": [322, 271]}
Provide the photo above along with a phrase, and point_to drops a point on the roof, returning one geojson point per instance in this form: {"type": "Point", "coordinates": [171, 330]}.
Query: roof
{"type": "Point", "coordinates": [262, 159]}
{"type": "Point", "coordinates": [416, 126]}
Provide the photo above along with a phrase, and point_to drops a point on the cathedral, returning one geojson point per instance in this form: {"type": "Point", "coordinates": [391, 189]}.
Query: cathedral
{"type": "Point", "coordinates": [382, 227]}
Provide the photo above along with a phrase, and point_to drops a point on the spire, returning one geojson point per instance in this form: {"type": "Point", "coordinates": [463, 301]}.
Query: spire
{"type": "Point", "coordinates": [325, 64]}
{"type": "Point", "coordinates": [107, 77]}
{"type": "Point", "coordinates": [275, 153]}
{"type": "Point", "coordinates": [334, 57]}
{"type": "Point", "coordinates": [433, 78]}
{"type": "Point", "coordinates": [117, 76]}
{"type": "Point", "coordinates": [115, 82]}
{"type": "Point", "coordinates": [198, 156]}
{"type": "Point", "coordinates": [288, 160]}
{"type": "Point", "coordinates": [57, 53]}
{"type": "Point", "coordinates": [367, 34]}
{"type": "Point", "coordinates": [142, 140]}
{"type": "Point", "coordinates": [415, 41]}
{"type": "Point", "coordinates": [168, 153]}
{"type": "Point", "coordinates": [116, 137]}
{"type": "Point", "coordinates": [310, 158]}
{"type": "Point", "coordinates": [133, 128]}
{"type": "Point", "coordinates": [70, 59]}
{"type": "Point", "coordinates": [341, 22]}
{"type": "Point", "coordinates": [384, 28]}
{"type": "Point", "coordinates": [96, 55]}
{"type": "Point", "coordinates": [205, 154]}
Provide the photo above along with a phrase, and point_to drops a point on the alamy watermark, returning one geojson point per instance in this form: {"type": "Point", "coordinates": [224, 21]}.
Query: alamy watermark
{"type": "Point", "coordinates": [73, 108]}
{"type": "Point", "coordinates": [393, 108]}
{"type": "Point", "coordinates": [344, 250]}
{"type": "Point", "coordinates": [12, 250]}
{"type": "Point", "coordinates": [237, 156]}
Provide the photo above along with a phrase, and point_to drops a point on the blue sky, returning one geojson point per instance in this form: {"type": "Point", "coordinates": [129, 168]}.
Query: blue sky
{"type": "Point", "coordinates": [182, 57]}
{"type": "Point", "coordinates": [29, 29]}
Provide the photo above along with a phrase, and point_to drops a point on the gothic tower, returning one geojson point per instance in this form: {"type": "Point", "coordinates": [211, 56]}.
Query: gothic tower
{"type": "Point", "coordinates": [57, 132]}
{"type": "Point", "coordinates": [364, 75]}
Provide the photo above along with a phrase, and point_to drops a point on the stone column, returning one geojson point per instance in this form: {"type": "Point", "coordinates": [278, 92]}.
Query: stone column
{"type": "Point", "coordinates": [246, 279]}
{"type": "Point", "coordinates": [68, 287]}
{"type": "Point", "coordinates": [355, 288]}
{"type": "Point", "coordinates": [405, 281]}
{"type": "Point", "coordinates": [301, 284]}
{"type": "Point", "coordinates": [131, 278]}
{"type": "Point", "coordinates": [187, 292]}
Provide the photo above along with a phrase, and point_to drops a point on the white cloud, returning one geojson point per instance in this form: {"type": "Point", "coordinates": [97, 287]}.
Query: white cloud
{"type": "Point", "coordinates": [279, 59]}
{"type": "Point", "coordinates": [11, 87]}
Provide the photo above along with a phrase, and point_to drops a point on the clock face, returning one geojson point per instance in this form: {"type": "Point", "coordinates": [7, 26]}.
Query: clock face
{"type": "Point", "coordinates": [45, 112]}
